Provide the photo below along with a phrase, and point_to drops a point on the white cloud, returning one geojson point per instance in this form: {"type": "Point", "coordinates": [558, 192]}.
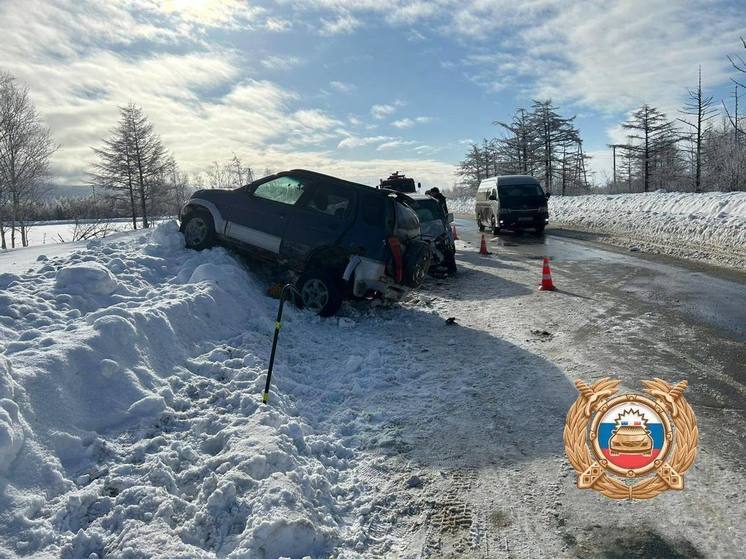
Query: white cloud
{"type": "Point", "coordinates": [380, 112]}
{"type": "Point", "coordinates": [277, 24]}
{"type": "Point", "coordinates": [343, 24]}
{"type": "Point", "coordinates": [360, 141]}
{"type": "Point", "coordinates": [342, 87]}
{"type": "Point", "coordinates": [204, 13]}
{"type": "Point", "coordinates": [393, 144]}
{"type": "Point", "coordinates": [280, 62]}
{"type": "Point", "coordinates": [410, 122]}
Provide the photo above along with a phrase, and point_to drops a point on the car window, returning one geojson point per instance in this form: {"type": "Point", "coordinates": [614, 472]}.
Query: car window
{"type": "Point", "coordinates": [330, 203]}
{"type": "Point", "coordinates": [427, 210]}
{"type": "Point", "coordinates": [286, 190]}
{"type": "Point", "coordinates": [521, 190]}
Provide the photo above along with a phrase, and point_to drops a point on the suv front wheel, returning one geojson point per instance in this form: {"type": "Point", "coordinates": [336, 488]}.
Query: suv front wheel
{"type": "Point", "coordinates": [320, 292]}
{"type": "Point", "coordinates": [198, 230]}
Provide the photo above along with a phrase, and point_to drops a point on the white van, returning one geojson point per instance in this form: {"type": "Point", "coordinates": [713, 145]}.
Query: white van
{"type": "Point", "coordinates": [511, 202]}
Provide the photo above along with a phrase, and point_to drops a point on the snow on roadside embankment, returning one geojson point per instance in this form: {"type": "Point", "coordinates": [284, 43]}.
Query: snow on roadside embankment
{"type": "Point", "coordinates": [708, 226]}
{"type": "Point", "coordinates": [130, 416]}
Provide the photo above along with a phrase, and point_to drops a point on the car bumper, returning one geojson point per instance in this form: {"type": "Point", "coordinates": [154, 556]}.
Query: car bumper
{"type": "Point", "coordinates": [369, 275]}
{"type": "Point", "coordinates": [519, 222]}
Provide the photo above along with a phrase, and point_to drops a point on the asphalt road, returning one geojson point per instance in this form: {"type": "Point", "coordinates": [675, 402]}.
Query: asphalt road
{"type": "Point", "coordinates": [657, 316]}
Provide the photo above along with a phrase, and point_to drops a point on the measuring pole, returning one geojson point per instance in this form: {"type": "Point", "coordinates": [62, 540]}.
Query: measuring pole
{"type": "Point", "coordinates": [278, 325]}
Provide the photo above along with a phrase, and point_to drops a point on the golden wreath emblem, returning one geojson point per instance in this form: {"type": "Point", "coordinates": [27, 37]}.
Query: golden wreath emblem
{"type": "Point", "coordinates": [631, 446]}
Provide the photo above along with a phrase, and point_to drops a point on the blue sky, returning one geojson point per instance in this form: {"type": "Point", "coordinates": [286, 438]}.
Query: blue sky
{"type": "Point", "coordinates": [357, 89]}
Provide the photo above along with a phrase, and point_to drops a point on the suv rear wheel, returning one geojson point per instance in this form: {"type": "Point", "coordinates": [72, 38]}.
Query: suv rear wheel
{"type": "Point", "coordinates": [320, 292]}
{"type": "Point", "coordinates": [198, 230]}
{"type": "Point", "coordinates": [416, 263]}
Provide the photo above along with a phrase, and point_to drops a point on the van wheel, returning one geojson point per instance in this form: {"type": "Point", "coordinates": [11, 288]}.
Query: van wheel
{"type": "Point", "coordinates": [320, 292]}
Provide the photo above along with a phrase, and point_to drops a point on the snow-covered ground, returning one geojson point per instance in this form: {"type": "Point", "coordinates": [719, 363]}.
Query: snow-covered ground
{"type": "Point", "coordinates": [709, 226]}
{"type": "Point", "coordinates": [131, 422]}
{"type": "Point", "coordinates": [62, 231]}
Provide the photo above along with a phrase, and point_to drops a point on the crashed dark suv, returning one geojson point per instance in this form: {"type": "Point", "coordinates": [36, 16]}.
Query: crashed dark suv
{"type": "Point", "coordinates": [338, 238]}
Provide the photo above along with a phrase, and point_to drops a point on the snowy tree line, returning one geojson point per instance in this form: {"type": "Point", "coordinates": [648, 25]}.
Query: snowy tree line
{"type": "Point", "coordinates": [25, 148]}
{"type": "Point", "coordinates": [133, 174]}
{"type": "Point", "coordinates": [538, 142]}
{"type": "Point", "coordinates": [702, 149]}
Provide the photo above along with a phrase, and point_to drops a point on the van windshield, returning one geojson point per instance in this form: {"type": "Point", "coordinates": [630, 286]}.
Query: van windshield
{"type": "Point", "coordinates": [521, 191]}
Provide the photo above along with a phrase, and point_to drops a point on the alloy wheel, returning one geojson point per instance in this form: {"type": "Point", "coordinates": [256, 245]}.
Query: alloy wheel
{"type": "Point", "coordinates": [315, 294]}
{"type": "Point", "coordinates": [195, 231]}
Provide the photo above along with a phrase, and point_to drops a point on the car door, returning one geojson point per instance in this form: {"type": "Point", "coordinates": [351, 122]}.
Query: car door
{"type": "Point", "coordinates": [260, 213]}
{"type": "Point", "coordinates": [320, 220]}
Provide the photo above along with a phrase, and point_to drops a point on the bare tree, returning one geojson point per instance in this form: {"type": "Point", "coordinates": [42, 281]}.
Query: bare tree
{"type": "Point", "coordinates": [553, 132]}
{"type": "Point", "coordinates": [739, 63]}
{"type": "Point", "coordinates": [218, 176]}
{"type": "Point", "coordinates": [702, 108]}
{"type": "Point", "coordinates": [241, 175]}
{"type": "Point", "coordinates": [25, 148]}
{"type": "Point", "coordinates": [519, 149]}
{"type": "Point", "coordinates": [132, 161]}
{"type": "Point", "coordinates": [654, 133]}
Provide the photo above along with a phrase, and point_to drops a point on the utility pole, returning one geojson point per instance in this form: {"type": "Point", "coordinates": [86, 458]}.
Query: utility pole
{"type": "Point", "coordinates": [613, 151]}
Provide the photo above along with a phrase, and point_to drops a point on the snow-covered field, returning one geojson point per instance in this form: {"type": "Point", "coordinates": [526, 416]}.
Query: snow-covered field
{"type": "Point", "coordinates": [709, 226]}
{"type": "Point", "coordinates": [131, 422]}
{"type": "Point", "coordinates": [55, 232]}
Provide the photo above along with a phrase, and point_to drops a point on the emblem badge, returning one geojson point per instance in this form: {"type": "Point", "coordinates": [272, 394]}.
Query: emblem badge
{"type": "Point", "coordinates": [631, 446]}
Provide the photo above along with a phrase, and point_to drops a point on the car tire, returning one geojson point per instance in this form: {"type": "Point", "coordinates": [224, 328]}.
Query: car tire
{"type": "Point", "coordinates": [416, 263]}
{"type": "Point", "coordinates": [198, 230]}
{"type": "Point", "coordinates": [320, 291]}
{"type": "Point", "coordinates": [450, 262]}
{"type": "Point", "coordinates": [480, 225]}
{"type": "Point", "coordinates": [540, 229]}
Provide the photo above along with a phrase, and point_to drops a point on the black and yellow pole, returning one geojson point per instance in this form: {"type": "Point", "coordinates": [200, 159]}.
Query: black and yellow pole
{"type": "Point", "coordinates": [278, 326]}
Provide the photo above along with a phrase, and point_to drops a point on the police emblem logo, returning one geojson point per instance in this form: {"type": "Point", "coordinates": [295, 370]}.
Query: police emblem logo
{"type": "Point", "coordinates": [631, 446]}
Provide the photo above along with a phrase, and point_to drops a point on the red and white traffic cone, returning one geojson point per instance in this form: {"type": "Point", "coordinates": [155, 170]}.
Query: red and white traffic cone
{"type": "Point", "coordinates": [483, 247]}
{"type": "Point", "coordinates": [546, 277]}
{"type": "Point", "coordinates": [454, 234]}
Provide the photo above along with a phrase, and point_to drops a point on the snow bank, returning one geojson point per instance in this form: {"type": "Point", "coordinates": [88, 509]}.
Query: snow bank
{"type": "Point", "coordinates": [710, 226]}
{"type": "Point", "coordinates": [131, 422]}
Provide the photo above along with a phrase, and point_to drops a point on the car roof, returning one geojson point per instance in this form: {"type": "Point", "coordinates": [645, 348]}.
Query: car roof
{"type": "Point", "coordinates": [505, 180]}
{"type": "Point", "coordinates": [417, 196]}
{"type": "Point", "coordinates": [329, 178]}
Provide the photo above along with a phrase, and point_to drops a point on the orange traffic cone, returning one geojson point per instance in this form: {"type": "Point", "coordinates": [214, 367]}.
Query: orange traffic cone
{"type": "Point", "coordinates": [546, 277]}
{"type": "Point", "coordinates": [453, 231]}
{"type": "Point", "coordinates": [483, 247]}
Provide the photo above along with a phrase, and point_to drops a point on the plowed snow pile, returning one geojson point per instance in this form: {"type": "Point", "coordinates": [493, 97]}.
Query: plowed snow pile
{"type": "Point", "coordinates": [130, 415]}
{"type": "Point", "coordinates": [709, 226]}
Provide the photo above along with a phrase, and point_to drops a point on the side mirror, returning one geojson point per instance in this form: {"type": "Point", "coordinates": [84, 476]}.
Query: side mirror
{"type": "Point", "coordinates": [450, 217]}
{"type": "Point", "coordinates": [548, 195]}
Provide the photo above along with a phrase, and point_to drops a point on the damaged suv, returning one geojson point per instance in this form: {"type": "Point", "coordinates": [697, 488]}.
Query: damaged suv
{"type": "Point", "coordinates": [336, 237]}
{"type": "Point", "coordinates": [436, 230]}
